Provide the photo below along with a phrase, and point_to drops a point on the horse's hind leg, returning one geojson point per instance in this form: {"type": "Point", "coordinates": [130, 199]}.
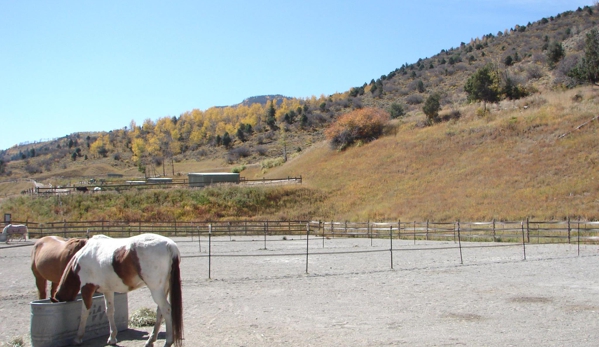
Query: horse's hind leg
{"type": "Point", "coordinates": [41, 284]}
{"type": "Point", "coordinates": [156, 329]}
{"type": "Point", "coordinates": [164, 310]}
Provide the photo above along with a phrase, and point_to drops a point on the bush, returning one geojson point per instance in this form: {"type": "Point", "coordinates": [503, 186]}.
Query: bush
{"type": "Point", "coordinates": [241, 152]}
{"type": "Point", "coordinates": [555, 53]}
{"type": "Point", "coordinates": [261, 150]}
{"type": "Point", "coordinates": [414, 99]}
{"type": "Point", "coordinates": [364, 124]}
{"type": "Point", "coordinates": [270, 163]}
{"type": "Point", "coordinates": [534, 72]}
{"type": "Point", "coordinates": [396, 110]}
{"type": "Point", "coordinates": [32, 169]}
{"type": "Point", "coordinates": [431, 108]}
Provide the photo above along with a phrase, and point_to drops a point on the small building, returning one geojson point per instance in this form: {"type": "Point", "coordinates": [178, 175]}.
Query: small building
{"type": "Point", "coordinates": [205, 179]}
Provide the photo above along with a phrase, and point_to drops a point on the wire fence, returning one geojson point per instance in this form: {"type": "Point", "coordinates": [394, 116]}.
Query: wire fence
{"type": "Point", "coordinates": [306, 239]}
{"type": "Point", "coordinates": [566, 231]}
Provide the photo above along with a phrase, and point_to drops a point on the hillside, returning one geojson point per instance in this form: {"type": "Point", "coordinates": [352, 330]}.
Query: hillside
{"type": "Point", "coordinates": [508, 164]}
{"type": "Point", "coordinates": [527, 159]}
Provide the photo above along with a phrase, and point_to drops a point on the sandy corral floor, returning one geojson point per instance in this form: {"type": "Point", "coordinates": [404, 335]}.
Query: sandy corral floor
{"type": "Point", "coordinates": [354, 298]}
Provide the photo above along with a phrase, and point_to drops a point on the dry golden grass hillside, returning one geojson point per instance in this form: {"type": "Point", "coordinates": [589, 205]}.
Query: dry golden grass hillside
{"type": "Point", "coordinates": [526, 159]}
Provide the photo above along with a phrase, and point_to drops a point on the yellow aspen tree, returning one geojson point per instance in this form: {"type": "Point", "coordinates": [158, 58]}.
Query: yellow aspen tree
{"type": "Point", "coordinates": [148, 126]}
{"type": "Point", "coordinates": [138, 146]}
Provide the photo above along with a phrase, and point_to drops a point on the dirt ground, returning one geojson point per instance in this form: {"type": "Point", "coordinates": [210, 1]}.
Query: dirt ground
{"type": "Point", "coordinates": [354, 298]}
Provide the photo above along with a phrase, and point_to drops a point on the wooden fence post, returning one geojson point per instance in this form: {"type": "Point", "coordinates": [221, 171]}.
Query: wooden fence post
{"type": "Point", "coordinates": [399, 229]}
{"type": "Point", "coordinates": [332, 230]}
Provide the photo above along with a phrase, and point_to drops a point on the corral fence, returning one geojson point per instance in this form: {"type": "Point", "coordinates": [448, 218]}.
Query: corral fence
{"type": "Point", "coordinates": [313, 235]}
{"type": "Point", "coordinates": [118, 186]}
{"type": "Point", "coordinates": [527, 231]}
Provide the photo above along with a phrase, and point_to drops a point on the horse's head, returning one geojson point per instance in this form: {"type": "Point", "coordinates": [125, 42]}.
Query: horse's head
{"type": "Point", "coordinates": [70, 284]}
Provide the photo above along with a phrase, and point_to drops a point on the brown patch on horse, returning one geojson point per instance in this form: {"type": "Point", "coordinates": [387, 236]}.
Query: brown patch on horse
{"type": "Point", "coordinates": [72, 246]}
{"type": "Point", "coordinates": [126, 265]}
{"type": "Point", "coordinates": [87, 293]}
{"type": "Point", "coordinates": [69, 285]}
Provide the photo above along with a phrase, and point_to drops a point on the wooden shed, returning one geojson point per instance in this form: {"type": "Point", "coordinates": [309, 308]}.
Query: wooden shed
{"type": "Point", "coordinates": [204, 179]}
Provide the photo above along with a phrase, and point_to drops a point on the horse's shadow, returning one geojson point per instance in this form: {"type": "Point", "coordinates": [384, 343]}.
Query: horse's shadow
{"type": "Point", "coordinates": [123, 337]}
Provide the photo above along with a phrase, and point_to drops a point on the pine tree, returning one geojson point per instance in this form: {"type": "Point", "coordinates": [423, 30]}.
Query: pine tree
{"type": "Point", "coordinates": [431, 108]}
{"type": "Point", "coordinates": [483, 85]}
{"type": "Point", "coordinates": [271, 120]}
{"type": "Point", "coordinates": [587, 69]}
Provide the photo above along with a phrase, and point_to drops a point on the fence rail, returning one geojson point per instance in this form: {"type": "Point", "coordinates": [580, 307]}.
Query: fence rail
{"type": "Point", "coordinates": [494, 231]}
{"type": "Point", "coordinates": [144, 184]}
{"type": "Point", "coordinates": [493, 235]}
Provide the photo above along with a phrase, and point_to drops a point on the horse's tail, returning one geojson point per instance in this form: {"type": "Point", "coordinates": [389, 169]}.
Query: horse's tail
{"type": "Point", "coordinates": [176, 299]}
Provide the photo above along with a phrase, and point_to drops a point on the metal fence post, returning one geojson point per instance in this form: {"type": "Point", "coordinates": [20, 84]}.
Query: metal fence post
{"type": "Point", "coordinates": [209, 250]}
{"type": "Point", "coordinates": [199, 239]}
{"type": "Point", "coordinates": [569, 229]}
{"type": "Point", "coordinates": [523, 240]}
{"type": "Point", "coordinates": [369, 231]}
{"type": "Point", "coordinates": [460, 243]}
{"type": "Point", "coordinates": [391, 244]}
{"type": "Point", "coordinates": [321, 227]}
{"type": "Point", "coordinates": [265, 230]}
{"type": "Point", "coordinates": [578, 236]}
{"type": "Point", "coordinates": [414, 232]}
{"type": "Point", "coordinates": [307, 244]}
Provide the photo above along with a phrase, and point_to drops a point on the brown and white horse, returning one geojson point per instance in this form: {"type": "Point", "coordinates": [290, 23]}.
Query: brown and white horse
{"type": "Point", "coordinates": [110, 265]}
{"type": "Point", "coordinates": [14, 229]}
{"type": "Point", "coordinates": [49, 257]}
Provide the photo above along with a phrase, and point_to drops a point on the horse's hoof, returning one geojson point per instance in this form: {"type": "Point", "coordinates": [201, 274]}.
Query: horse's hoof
{"type": "Point", "coordinates": [111, 342]}
{"type": "Point", "coordinates": [77, 341]}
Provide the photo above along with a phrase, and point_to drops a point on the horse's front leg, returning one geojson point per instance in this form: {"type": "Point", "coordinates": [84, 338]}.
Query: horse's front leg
{"type": "Point", "coordinates": [87, 292]}
{"type": "Point", "coordinates": [109, 300]}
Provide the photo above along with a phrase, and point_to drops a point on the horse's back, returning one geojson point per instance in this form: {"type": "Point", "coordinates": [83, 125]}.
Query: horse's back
{"type": "Point", "coordinates": [50, 255]}
{"type": "Point", "coordinates": [124, 264]}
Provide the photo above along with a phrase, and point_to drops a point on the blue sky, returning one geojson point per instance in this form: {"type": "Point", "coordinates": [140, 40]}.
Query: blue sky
{"type": "Point", "coordinates": [70, 66]}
